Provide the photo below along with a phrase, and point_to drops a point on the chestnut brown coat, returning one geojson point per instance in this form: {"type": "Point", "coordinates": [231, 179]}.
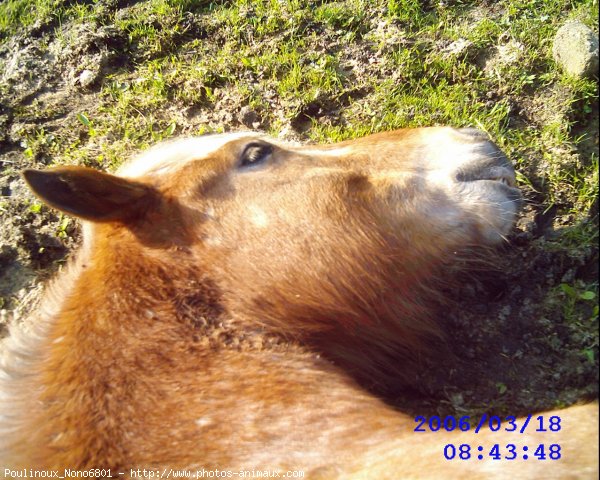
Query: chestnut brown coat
{"type": "Point", "coordinates": [234, 295]}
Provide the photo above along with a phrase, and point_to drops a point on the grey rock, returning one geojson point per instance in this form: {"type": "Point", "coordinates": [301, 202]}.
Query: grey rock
{"type": "Point", "coordinates": [87, 78]}
{"type": "Point", "coordinates": [249, 117]}
{"type": "Point", "coordinates": [576, 49]}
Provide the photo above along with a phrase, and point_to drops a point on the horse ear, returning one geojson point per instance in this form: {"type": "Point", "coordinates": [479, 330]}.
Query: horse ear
{"type": "Point", "coordinates": [91, 194]}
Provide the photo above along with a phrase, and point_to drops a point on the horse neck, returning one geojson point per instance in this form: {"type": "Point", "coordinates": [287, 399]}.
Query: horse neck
{"type": "Point", "coordinates": [119, 312]}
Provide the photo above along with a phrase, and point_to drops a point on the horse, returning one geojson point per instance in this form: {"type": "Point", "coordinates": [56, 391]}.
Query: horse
{"type": "Point", "coordinates": [236, 302]}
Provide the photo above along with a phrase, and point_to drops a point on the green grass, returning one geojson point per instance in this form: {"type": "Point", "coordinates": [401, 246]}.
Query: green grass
{"type": "Point", "coordinates": [579, 305]}
{"type": "Point", "coordinates": [282, 58]}
{"type": "Point", "coordinates": [329, 71]}
{"type": "Point", "coordinates": [15, 14]}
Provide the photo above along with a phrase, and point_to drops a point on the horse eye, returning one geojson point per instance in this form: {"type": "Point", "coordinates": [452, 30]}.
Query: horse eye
{"type": "Point", "coordinates": [255, 153]}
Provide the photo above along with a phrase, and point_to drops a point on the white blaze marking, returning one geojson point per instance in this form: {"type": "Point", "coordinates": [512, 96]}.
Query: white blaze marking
{"type": "Point", "coordinates": [210, 212]}
{"type": "Point", "coordinates": [258, 217]}
{"type": "Point", "coordinates": [204, 422]}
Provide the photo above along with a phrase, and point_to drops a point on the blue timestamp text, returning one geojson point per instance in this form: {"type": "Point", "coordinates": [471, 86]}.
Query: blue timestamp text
{"type": "Point", "coordinates": [465, 451]}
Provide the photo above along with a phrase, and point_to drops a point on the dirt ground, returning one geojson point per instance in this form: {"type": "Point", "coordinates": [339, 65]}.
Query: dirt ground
{"type": "Point", "coordinates": [521, 344]}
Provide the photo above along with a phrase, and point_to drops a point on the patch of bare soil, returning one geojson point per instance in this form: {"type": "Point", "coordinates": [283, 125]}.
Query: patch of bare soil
{"type": "Point", "coordinates": [513, 352]}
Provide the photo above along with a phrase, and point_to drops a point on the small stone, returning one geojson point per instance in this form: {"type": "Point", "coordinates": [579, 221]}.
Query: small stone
{"type": "Point", "coordinates": [511, 52]}
{"type": "Point", "coordinates": [505, 312]}
{"type": "Point", "coordinates": [248, 117]}
{"type": "Point", "coordinates": [287, 132]}
{"type": "Point", "coordinates": [576, 49]}
{"type": "Point", "coordinates": [459, 47]}
{"type": "Point", "coordinates": [87, 78]}
{"type": "Point", "coordinates": [3, 317]}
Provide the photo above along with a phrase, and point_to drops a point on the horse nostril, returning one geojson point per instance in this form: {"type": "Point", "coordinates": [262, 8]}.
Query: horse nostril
{"type": "Point", "coordinates": [473, 172]}
{"type": "Point", "coordinates": [486, 162]}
